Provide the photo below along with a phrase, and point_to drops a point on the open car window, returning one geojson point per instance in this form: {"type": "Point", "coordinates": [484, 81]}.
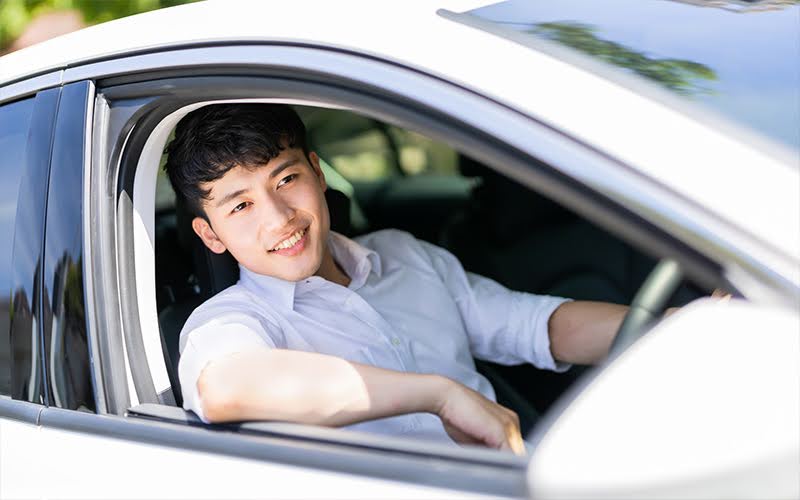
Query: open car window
{"type": "Point", "coordinates": [494, 225]}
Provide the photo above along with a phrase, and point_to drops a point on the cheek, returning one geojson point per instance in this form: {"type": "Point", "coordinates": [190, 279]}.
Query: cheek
{"type": "Point", "coordinates": [309, 198]}
{"type": "Point", "coordinates": [239, 232]}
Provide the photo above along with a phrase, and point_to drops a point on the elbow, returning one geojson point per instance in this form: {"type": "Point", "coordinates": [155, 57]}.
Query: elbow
{"type": "Point", "coordinates": [558, 352]}
{"type": "Point", "coordinates": [558, 327]}
{"type": "Point", "coordinates": [218, 404]}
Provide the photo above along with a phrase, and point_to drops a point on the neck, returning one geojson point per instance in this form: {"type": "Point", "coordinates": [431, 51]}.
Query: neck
{"type": "Point", "coordinates": [331, 271]}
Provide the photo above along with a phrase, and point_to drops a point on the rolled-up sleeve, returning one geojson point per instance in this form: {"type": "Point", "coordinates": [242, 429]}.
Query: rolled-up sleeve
{"type": "Point", "coordinates": [210, 336]}
{"type": "Point", "coordinates": [504, 326]}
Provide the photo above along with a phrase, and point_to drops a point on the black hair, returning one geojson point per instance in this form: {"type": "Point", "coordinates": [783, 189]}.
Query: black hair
{"type": "Point", "coordinates": [212, 140]}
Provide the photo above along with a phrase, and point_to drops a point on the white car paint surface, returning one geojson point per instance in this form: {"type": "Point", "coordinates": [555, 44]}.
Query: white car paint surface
{"type": "Point", "coordinates": [118, 469]}
{"type": "Point", "coordinates": [707, 405]}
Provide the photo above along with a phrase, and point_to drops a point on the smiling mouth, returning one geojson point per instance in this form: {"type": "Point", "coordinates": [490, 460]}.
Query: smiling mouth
{"type": "Point", "coordinates": [290, 241]}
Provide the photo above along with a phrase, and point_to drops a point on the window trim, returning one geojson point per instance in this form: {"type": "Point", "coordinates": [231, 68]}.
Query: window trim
{"type": "Point", "coordinates": [111, 363]}
{"type": "Point", "coordinates": [21, 411]}
{"type": "Point", "coordinates": [92, 333]}
{"type": "Point", "coordinates": [30, 86]}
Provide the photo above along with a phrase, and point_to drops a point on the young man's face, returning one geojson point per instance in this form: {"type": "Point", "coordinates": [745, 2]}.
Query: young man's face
{"type": "Point", "coordinates": [273, 219]}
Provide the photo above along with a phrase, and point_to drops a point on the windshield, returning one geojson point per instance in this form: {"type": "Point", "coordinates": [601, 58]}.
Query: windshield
{"type": "Point", "coordinates": [739, 57]}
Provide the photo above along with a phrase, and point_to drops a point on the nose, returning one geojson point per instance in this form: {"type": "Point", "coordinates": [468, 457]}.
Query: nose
{"type": "Point", "coordinates": [276, 214]}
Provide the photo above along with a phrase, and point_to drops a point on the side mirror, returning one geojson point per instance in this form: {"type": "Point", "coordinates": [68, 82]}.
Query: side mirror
{"type": "Point", "coordinates": [706, 405]}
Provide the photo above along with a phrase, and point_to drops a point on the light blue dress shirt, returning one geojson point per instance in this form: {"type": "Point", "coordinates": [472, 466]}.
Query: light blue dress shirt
{"type": "Point", "coordinates": [410, 306]}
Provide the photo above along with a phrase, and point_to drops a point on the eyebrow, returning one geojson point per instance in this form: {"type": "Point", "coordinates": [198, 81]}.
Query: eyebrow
{"type": "Point", "coordinates": [275, 172]}
{"type": "Point", "coordinates": [230, 196]}
{"type": "Point", "coordinates": [283, 166]}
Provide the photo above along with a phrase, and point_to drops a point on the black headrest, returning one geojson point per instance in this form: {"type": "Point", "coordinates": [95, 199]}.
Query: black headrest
{"type": "Point", "coordinates": [216, 272]}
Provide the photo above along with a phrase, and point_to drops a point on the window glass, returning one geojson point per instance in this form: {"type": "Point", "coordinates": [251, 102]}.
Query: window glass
{"type": "Point", "coordinates": [365, 150]}
{"type": "Point", "coordinates": [718, 59]}
{"type": "Point", "coordinates": [14, 122]}
{"type": "Point", "coordinates": [356, 146]}
{"type": "Point", "coordinates": [419, 155]}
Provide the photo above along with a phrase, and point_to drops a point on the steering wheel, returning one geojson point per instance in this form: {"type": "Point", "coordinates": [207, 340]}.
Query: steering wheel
{"type": "Point", "coordinates": [649, 303]}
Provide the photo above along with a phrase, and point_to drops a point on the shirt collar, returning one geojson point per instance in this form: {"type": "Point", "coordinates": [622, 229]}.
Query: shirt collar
{"type": "Point", "coordinates": [356, 260]}
{"type": "Point", "coordinates": [278, 292]}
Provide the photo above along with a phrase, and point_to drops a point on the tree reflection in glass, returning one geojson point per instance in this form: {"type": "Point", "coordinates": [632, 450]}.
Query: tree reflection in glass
{"type": "Point", "coordinates": [679, 75]}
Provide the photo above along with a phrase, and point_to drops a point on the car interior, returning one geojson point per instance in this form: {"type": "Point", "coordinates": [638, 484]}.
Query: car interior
{"type": "Point", "coordinates": [381, 176]}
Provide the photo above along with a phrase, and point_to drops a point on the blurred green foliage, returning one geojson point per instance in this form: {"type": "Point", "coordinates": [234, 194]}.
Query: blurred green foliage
{"type": "Point", "coordinates": [16, 14]}
{"type": "Point", "coordinates": [678, 75]}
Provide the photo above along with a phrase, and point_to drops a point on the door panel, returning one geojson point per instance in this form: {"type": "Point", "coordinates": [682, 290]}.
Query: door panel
{"type": "Point", "coordinates": [128, 469]}
{"type": "Point", "coordinates": [20, 460]}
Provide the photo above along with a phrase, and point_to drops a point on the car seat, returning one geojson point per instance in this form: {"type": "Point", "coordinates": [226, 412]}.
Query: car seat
{"type": "Point", "coordinates": [529, 243]}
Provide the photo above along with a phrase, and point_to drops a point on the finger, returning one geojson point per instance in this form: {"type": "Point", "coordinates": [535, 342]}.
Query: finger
{"type": "Point", "coordinates": [514, 444]}
{"type": "Point", "coordinates": [460, 436]}
{"type": "Point", "coordinates": [518, 447]}
{"type": "Point", "coordinates": [515, 441]}
{"type": "Point", "coordinates": [514, 416]}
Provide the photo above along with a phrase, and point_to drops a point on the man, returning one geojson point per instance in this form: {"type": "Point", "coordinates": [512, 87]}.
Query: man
{"type": "Point", "coordinates": [320, 329]}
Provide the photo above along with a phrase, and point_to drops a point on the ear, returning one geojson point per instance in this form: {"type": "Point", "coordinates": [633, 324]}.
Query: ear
{"type": "Point", "coordinates": [203, 229]}
{"type": "Point", "coordinates": [314, 159]}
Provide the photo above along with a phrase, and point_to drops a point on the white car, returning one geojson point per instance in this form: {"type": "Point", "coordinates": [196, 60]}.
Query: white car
{"type": "Point", "coordinates": [558, 147]}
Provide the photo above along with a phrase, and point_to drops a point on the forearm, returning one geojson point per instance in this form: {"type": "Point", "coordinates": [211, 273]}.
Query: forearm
{"type": "Point", "coordinates": [581, 332]}
{"type": "Point", "coordinates": [296, 386]}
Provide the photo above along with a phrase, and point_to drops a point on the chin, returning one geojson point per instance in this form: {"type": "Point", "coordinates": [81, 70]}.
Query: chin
{"type": "Point", "coordinates": [298, 274]}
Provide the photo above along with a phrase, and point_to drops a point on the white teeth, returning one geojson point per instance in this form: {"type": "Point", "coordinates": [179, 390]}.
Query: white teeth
{"type": "Point", "coordinates": [290, 241]}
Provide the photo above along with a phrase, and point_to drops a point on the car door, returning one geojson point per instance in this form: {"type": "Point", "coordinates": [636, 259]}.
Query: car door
{"type": "Point", "coordinates": [86, 427]}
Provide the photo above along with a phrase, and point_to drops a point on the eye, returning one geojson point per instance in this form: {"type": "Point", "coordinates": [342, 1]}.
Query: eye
{"type": "Point", "coordinates": [286, 180]}
{"type": "Point", "coordinates": [241, 206]}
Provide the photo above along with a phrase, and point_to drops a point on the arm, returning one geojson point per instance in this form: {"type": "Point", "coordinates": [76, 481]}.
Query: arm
{"type": "Point", "coordinates": [502, 325]}
{"type": "Point", "coordinates": [304, 387]}
{"type": "Point", "coordinates": [581, 332]}
{"type": "Point", "coordinates": [280, 384]}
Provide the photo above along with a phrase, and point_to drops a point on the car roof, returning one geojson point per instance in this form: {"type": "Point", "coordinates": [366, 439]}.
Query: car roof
{"type": "Point", "coordinates": [712, 167]}
{"type": "Point", "coordinates": [388, 29]}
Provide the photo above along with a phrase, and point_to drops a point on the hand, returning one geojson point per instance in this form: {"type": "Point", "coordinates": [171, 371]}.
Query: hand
{"type": "Point", "coordinates": [470, 418]}
{"type": "Point", "coordinates": [718, 294]}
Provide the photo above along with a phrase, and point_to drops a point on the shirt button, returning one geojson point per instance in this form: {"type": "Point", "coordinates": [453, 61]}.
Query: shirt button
{"type": "Point", "coordinates": [395, 341]}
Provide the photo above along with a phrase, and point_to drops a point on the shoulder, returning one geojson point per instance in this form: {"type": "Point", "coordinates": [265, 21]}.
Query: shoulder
{"type": "Point", "coordinates": [387, 239]}
{"type": "Point", "coordinates": [394, 245]}
{"type": "Point", "coordinates": [235, 304]}
{"type": "Point", "coordinates": [400, 247]}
